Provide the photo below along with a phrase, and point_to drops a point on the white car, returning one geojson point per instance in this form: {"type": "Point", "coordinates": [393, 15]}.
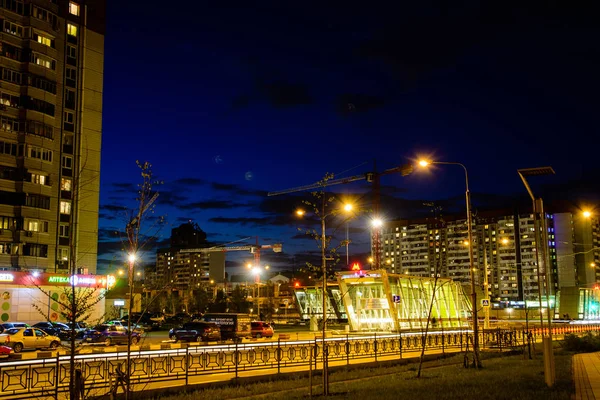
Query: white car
{"type": "Point", "coordinates": [28, 338]}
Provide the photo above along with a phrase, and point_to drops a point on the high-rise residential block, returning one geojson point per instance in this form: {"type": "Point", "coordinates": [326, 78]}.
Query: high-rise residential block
{"type": "Point", "coordinates": [51, 82]}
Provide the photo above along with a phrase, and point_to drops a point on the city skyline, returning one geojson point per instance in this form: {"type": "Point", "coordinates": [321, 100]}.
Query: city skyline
{"type": "Point", "coordinates": [247, 111]}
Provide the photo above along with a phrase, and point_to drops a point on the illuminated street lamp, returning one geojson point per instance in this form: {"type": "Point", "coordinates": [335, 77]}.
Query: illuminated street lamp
{"type": "Point", "coordinates": [587, 214]}
{"type": "Point", "coordinates": [131, 258]}
{"type": "Point", "coordinates": [539, 220]}
{"type": "Point", "coordinates": [323, 215]}
{"type": "Point", "coordinates": [348, 207]}
{"type": "Point", "coordinates": [424, 164]}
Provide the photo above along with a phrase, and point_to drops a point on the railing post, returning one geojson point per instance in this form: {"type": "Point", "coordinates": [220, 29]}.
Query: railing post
{"type": "Point", "coordinates": [278, 356]}
{"type": "Point", "coordinates": [400, 344]}
{"type": "Point", "coordinates": [347, 346]}
{"type": "Point", "coordinates": [375, 346]}
{"type": "Point", "coordinates": [235, 360]}
{"type": "Point", "coordinates": [187, 365]}
{"type": "Point", "coordinates": [310, 369]}
{"type": "Point", "coordinates": [57, 376]}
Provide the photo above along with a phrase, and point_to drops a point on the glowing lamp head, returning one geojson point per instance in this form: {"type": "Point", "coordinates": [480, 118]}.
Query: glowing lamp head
{"type": "Point", "coordinates": [300, 213]}
{"type": "Point", "coordinates": [377, 223]}
{"type": "Point", "coordinates": [131, 258]}
{"type": "Point", "coordinates": [348, 207]}
{"type": "Point", "coordinates": [587, 214]}
{"type": "Point", "coordinates": [297, 284]}
{"type": "Point", "coordinates": [424, 163]}
{"type": "Point", "coordinates": [504, 241]}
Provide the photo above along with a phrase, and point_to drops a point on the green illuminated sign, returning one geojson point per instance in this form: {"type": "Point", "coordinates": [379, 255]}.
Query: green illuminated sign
{"type": "Point", "coordinates": [58, 279]}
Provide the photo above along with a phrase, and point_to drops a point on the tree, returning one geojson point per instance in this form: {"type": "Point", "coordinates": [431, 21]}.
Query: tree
{"type": "Point", "coordinates": [138, 236]}
{"type": "Point", "coordinates": [200, 300]}
{"type": "Point", "coordinates": [220, 305]}
{"type": "Point", "coordinates": [238, 300]}
{"type": "Point", "coordinates": [324, 206]}
{"type": "Point", "coordinates": [433, 294]}
{"type": "Point", "coordinates": [76, 303]}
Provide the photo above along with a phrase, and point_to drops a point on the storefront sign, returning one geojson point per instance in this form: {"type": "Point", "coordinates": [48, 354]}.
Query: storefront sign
{"type": "Point", "coordinates": [40, 279]}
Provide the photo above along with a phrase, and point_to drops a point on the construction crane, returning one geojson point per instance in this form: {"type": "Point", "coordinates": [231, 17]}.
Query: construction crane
{"type": "Point", "coordinates": [371, 177]}
{"type": "Point", "coordinates": [252, 248]}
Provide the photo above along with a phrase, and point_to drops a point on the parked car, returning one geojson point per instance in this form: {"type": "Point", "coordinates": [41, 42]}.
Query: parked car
{"type": "Point", "coordinates": [55, 328]}
{"type": "Point", "coordinates": [157, 317]}
{"type": "Point", "coordinates": [233, 326]}
{"type": "Point", "coordinates": [261, 329]}
{"type": "Point", "coordinates": [6, 351]}
{"type": "Point", "coordinates": [196, 332]}
{"type": "Point", "coordinates": [110, 334]}
{"type": "Point", "coordinates": [136, 327]}
{"type": "Point", "coordinates": [80, 328]}
{"type": "Point", "coordinates": [28, 338]}
{"type": "Point", "coordinates": [142, 320]}
{"type": "Point", "coordinates": [8, 325]}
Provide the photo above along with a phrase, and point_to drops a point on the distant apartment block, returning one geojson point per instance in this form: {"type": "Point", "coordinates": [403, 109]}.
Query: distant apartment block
{"type": "Point", "coordinates": [504, 241]}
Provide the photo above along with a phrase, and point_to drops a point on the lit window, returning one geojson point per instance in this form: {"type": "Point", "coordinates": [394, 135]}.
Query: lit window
{"type": "Point", "coordinates": [65, 207]}
{"type": "Point", "coordinates": [63, 254]}
{"type": "Point", "coordinates": [71, 30]}
{"type": "Point", "coordinates": [65, 184]}
{"type": "Point", "coordinates": [38, 179]}
{"type": "Point", "coordinates": [73, 8]}
{"type": "Point", "coordinates": [33, 226]}
{"type": "Point", "coordinates": [46, 41]}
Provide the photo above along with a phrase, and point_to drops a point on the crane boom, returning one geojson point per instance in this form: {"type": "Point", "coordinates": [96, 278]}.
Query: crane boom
{"type": "Point", "coordinates": [369, 177]}
{"type": "Point", "coordinates": [372, 177]}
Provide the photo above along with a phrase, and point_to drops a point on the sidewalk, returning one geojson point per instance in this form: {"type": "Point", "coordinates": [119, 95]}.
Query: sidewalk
{"type": "Point", "coordinates": [586, 375]}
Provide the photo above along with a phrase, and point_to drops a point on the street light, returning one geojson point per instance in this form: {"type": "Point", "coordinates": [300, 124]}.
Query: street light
{"type": "Point", "coordinates": [539, 220]}
{"type": "Point", "coordinates": [376, 223]}
{"type": "Point", "coordinates": [323, 216]}
{"type": "Point", "coordinates": [425, 163]}
{"type": "Point", "coordinates": [348, 207]}
{"type": "Point", "coordinates": [587, 214]}
{"type": "Point", "coordinates": [132, 259]}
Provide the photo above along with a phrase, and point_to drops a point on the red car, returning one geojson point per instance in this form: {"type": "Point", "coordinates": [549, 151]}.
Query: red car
{"type": "Point", "coordinates": [261, 329]}
{"type": "Point", "coordinates": [6, 351]}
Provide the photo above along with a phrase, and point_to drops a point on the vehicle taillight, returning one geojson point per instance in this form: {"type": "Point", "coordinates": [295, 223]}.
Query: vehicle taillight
{"type": "Point", "coordinates": [206, 329]}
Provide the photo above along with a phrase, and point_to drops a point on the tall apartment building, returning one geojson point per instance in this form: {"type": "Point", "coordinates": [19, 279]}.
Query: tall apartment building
{"type": "Point", "coordinates": [183, 271]}
{"type": "Point", "coordinates": [504, 242]}
{"type": "Point", "coordinates": [51, 81]}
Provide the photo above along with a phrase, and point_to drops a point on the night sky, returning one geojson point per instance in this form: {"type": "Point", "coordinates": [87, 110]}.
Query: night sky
{"type": "Point", "coordinates": [228, 103]}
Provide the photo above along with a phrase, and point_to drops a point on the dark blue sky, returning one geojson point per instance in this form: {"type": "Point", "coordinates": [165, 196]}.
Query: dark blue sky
{"type": "Point", "coordinates": [228, 103]}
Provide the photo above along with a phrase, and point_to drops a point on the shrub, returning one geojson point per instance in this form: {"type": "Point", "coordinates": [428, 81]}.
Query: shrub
{"type": "Point", "coordinates": [582, 344]}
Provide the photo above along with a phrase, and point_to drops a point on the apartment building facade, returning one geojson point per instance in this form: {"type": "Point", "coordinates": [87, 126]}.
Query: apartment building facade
{"type": "Point", "coordinates": [51, 85]}
{"type": "Point", "coordinates": [504, 248]}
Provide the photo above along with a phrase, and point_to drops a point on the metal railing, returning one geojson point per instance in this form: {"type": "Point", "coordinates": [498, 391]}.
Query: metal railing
{"type": "Point", "coordinates": [50, 377]}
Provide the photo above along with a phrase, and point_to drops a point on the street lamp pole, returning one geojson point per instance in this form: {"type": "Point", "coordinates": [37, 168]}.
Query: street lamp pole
{"type": "Point", "coordinates": [324, 298]}
{"type": "Point", "coordinates": [539, 219]}
{"type": "Point", "coordinates": [476, 360]}
{"type": "Point", "coordinates": [129, 329]}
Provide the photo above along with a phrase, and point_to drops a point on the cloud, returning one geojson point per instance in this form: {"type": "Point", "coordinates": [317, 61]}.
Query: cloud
{"type": "Point", "coordinates": [302, 236]}
{"type": "Point", "coordinates": [237, 189]}
{"type": "Point", "coordinates": [253, 221]}
{"type": "Point", "coordinates": [211, 205]}
{"type": "Point", "coordinates": [354, 103]}
{"type": "Point", "coordinates": [281, 94]}
{"type": "Point", "coordinates": [171, 197]}
{"type": "Point", "coordinates": [189, 182]}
